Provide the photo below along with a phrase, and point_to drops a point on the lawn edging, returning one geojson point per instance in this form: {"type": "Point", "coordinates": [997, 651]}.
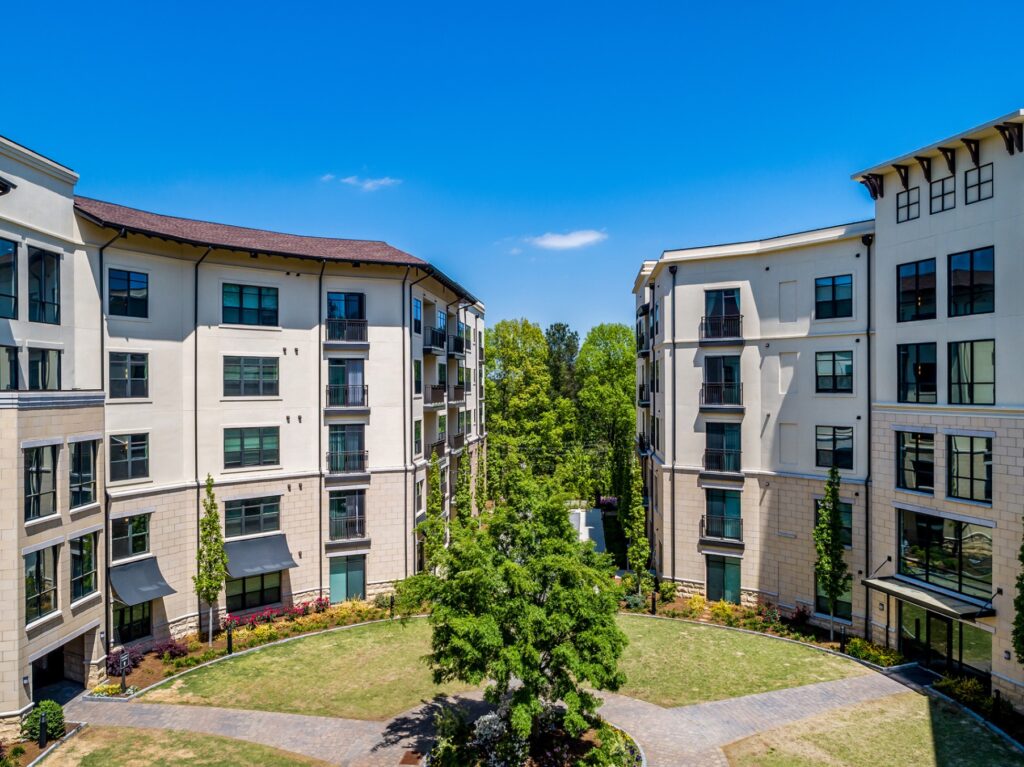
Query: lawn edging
{"type": "Point", "coordinates": [1010, 740]}
{"type": "Point", "coordinates": [67, 736]}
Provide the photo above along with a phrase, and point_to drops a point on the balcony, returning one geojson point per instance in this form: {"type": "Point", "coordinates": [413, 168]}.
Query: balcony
{"type": "Point", "coordinates": [347, 331]}
{"type": "Point", "coordinates": [721, 528]}
{"type": "Point", "coordinates": [434, 395]}
{"type": "Point", "coordinates": [434, 341]}
{"type": "Point", "coordinates": [643, 345]}
{"type": "Point", "coordinates": [643, 395]}
{"type": "Point", "coordinates": [721, 330]}
{"type": "Point", "coordinates": [348, 528]}
{"type": "Point", "coordinates": [721, 396]}
{"type": "Point", "coordinates": [346, 462]}
{"type": "Point", "coordinates": [347, 396]}
{"type": "Point", "coordinates": [718, 461]}
{"type": "Point", "coordinates": [456, 440]}
{"type": "Point", "coordinates": [437, 447]}
{"type": "Point", "coordinates": [456, 346]}
{"type": "Point", "coordinates": [457, 396]}
{"type": "Point", "coordinates": [643, 444]}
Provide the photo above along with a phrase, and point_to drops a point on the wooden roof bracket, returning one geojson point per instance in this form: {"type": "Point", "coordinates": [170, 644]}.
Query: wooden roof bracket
{"type": "Point", "coordinates": [974, 149]}
{"type": "Point", "coordinates": [904, 173]}
{"type": "Point", "coordinates": [926, 166]}
{"type": "Point", "coordinates": [1013, 136]}
{"type": "Point", "coordinates": [949, 154]}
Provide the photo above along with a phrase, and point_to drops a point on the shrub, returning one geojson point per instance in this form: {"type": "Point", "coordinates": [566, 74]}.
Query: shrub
{"type": "Point", "coordinates": [971, 693]}
{"type": "Point", "coordinates": [801, 617]}
{"type": "Point", "coordinates": [106, 690]}
{"type": "Point", "coordinates": [724, 612]}
{"type": "Point", "coordinates": [635, 601]}
{"type": "Point", "coordinates": [54, 721]}
{"type": "Point", "coordinates": [321, 604]}
{"type": "Point", "coordinates": [667, 591]}
{"type": "Point", "coordinates": [10, 757]}
{"type": "Point", "coordinates": [194, 645]}
{"type": "Point", "coordinates": [170, 649]}
{"type": "Point", "coordinates": [872, 653]}
{"type": "Point", "coordinates": [383, 601]}
{"type": "Point", "coordinates": [696, 605]}
{"type": "Point", "coordinates": [114, 660]}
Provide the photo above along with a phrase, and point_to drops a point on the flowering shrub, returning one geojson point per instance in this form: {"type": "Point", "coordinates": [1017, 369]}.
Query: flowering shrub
{"type": "Point", "coordinates": [724, 612]}
{"type": "Point", "coordinates": [170, 649]}
{"type": "Point", "coordinates": [114, 660]}
{"type": "Point", "coordinates": [112, 690]}
{"type": "Point", "coordinates": [872, 653]}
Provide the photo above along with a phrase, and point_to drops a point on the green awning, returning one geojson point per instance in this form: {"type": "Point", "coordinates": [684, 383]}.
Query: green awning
{"type": "Point", "coordinates": [937, 602]}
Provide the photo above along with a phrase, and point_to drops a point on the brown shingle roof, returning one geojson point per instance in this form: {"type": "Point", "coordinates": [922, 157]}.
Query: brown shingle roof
{"type": "Point", "coordinates": [205, 233]}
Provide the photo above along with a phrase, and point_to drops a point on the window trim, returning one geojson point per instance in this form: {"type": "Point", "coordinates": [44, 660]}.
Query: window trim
{"type": "Point", "coordinates": [951, 466]}
{"type": "Point", "coordinates": [834, 376]}
{"type": "Point", "coordinates": [901, 385]}
{"type": "Point", "coordinates": [74, 449]}
{"type": "Point", "coordinates": [900, 512]}
{"type": "Point", "coordinates": [262, 433]}
{"type": "Point", "coordinates": [48, 355]}
{"type": "Point", "coordinates": [904, 205]}
{"type": "Point", "coordinates": [915, 448]}
{"type": "Point", "coordinates": [145, 620]}
{"type": "Point", "coordinates": [917, 290]}
{"type": "Point", "coordinates": [263, 591]}
{"type": "Point", "coordinates": [240, 321]}
{"type": "Point", "coordinates": [14, 275]}
{"type": "Point", "coordinates": [130, 273]}
{"type": "Point", "coordinates": [94, 537]}
{"type": "Point", "coordinates": [52, 491]}
{"type": "Point", "coordinates": [130, 360]}
{"type": "Point", "coordinates": [834, 450]}
{"type": "Point", "coordinates": [9, 358]}
{"type": "Point", "coordinates": [129, 536]}
{"type": "Point", "coordinates": [246, 362]}
{"type": "Point", "coordinates": [949, 374]}
{"type": "Point", "coordinates": [261, 504]}
{"type": "Point", "coordinates": [979, 184]}
{"type": "Point", "coordinates": [943, 194]}
{"type": "Point", "coordinates": [417, 316]}
{"type": "Point", "coordinates": [43, 303]}
{"type": "Point", "coordinates": [833, 300]}
{"type": "Point", "coordinates": [972, 254]}
{"type": "Point", "coordinates": [38, 579]}
{"type": "Point", "coordinates": [129, 441]}
{"type": "Point", "coordinates": [358, 515]}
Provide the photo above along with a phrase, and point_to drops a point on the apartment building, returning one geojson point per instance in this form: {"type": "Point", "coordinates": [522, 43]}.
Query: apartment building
{"type": "Point", "coordinates": [876, 347]}
{"type": "Point", "coordinates": [311, 378]}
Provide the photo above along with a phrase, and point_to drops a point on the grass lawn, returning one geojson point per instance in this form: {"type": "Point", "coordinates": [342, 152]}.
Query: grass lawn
{"type": "Point", "coordinates": [368, 672]}
{"type": "Point", "coordinates": [130, 747]}
{"type": "Point", "coordinates": [904, 729]}
{"type": "Point", "coordinates": [672, 663]}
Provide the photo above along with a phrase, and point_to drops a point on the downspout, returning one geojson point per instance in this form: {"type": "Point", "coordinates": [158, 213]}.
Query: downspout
{"type": "Point", "coordinates": [319, 417]}
{"type": "Point", "coordinates": [405, 414]}
{"type": "Point", "coordinates": [868, 240]}
{"type": "Point", "coordinates": [195, 410]}
{"type": "Point", "coordinates": [408, 436]}
{"type": "Point", "coordinates": [103, 340]}
{"type": "Point", "coordinates": [672, 476]}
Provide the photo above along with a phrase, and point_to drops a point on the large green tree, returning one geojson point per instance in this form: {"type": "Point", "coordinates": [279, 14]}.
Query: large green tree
{"type": "Point", "coordinates": [830, 568]}
{"type": "Point", "coordinates": [563, 346]}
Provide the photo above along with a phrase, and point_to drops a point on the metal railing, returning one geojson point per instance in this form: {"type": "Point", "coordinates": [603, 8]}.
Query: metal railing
{"type": "Point", "coordinates": [343, 528]}
{"type": "Point", "coordinates": [434, 340]}
{"type": "Point", "coordinates": [725, 528]}
{"type": "Point", "coordinates": [437, 447]}
{"type": "Point", "coordinates": [642, 443]}
{"type": "Point", "coordinates": [722, 460]}
{"type": "Point", "coordinates": [347, 395]}
{"type": "Point", "coordinates": [456, 440]}
{"type": "Point", "coordinates": [643, 344]}
{"type": "Point", "coordinates": [458, 394]}
{"type": "Point", "coordinates": [721, 326]}
{"type": "Point", "coordinates": [643, 394]}
{"type": "Point", "coordinates": [346, 461]}
{"type": "Point", "coordinates": [434, 394]}
{"type": "Point", "coordinates": [721, 394]}
{"type": "Point", "coordinates": [346, 330]}
{"type": "Point", "coordinates": [456, 345]}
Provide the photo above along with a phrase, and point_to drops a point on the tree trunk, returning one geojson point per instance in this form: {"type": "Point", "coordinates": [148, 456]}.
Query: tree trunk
{"type": "Point", "coordinates": [211, 625]}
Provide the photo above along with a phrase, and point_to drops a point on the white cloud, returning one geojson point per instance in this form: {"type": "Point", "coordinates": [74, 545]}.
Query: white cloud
{"type": "Point", "coordinates": [371, 184]}
{"type": "Point", "coordinates": [515, 251]}
{"type": "Point", "coordinates": [327, 177]}
{"type": "Point", "coordinates": [580, 238]}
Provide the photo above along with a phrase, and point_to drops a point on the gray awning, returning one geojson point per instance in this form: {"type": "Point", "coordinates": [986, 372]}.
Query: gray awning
{"type": "Point", "coordinates": [255, 556]}
{"type": "Point", "coordinates": [937, 602]}
{"type": "Point", "coordinates": [138, 582]}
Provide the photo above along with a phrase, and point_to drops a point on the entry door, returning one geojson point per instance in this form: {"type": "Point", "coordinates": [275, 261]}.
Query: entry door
{"type": "Point", "coordinates": [940, 642]}
{"type": "Point", "coordinates": [348, 578]}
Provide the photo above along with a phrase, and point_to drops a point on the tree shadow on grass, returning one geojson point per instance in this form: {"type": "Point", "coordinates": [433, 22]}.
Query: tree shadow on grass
{"type": "Point", "coordinates": [415, 729]}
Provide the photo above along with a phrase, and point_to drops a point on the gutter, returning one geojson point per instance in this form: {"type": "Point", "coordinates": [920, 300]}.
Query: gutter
{"type": "Point", "coordinates": [102, 281]}
{"type": "Point", "coordinates": [672, 476]}
{"type": "Point", "coordinates": [320, 420]}
{"type": "Point", "coordinates": [408, 437]}
{"type": "Point", "coordinates": [195, 409]}
{"type": "Point", "coordinates": [868, 240]}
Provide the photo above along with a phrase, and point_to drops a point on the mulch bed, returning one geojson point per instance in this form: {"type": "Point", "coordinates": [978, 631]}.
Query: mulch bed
{"type": "Point", "coordinates": [32, 750]}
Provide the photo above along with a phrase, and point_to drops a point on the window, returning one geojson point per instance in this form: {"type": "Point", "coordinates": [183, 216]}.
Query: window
{"type": "Point", "coordinates": [40, 583]}
{"type": "Point", "coordinates": [252, 516]}
{"type": "Point", "coordinates": [943, 194]}
{"type": "Point", "coordinates": [972, 280]}
{"type": "Point", "coordinates": [43, 286]}
{"type": "Point", "coordinates": [916, 373]}
{"type": "Point", "coordinates": [129, 456]}
{"type": "Point", "coordinates": [347, 510]}
{"type": "Point", "coordinates": [346, 445]}
{"type": "Point", "coordinates": [915, 461]}
{"type": "Point", "coordinates": [846, 515]}
{"type": "Point", "coordinates": [834, 372]}
{"type": "Point", "coordinates": [723, 579]}
{"type": "Point", "coordinates": [346, 385]}
{"type": "Point", "coordinates": [128, 293]}
{"type": "Point", "coordinates": [9, 368]}
{"type": "Point", "coordinates": [442, 373]}
{"type": "Point", "coordinates": [844, 605]}
{"type": "Point", "coordinates": [442, 427]}
{"type": "Point", "coordinates": [40, 482]}
{"type": "Point", "coordinates": [722, 452]}
{"type": "Point", "coordinates": [8, 280]}
{"type": "Point", "coordinates": [346, 306]}
{"type": "Point", "coordinates": [249, 305]}
{"type": "Point", "coordinates": [833, 297]}
{"type": "Point", "coordinates": [442, 320]}
{"type": "Point", "coordinates": [721, 314]}
{"type": "Point", "coordinates": [251, 446]}
{"type": "Point", "coordinates": [129, 536]}
{"type": "Point", "coordinates": [972, 373]}
{"type": "Point", "coordinates": [722, 519]}
{"type": "Point", "coordinates": [969, 472]}
{"type": "Point", "coordinates": [978, 184]}
{"type": "Point", "coordinates": [721, 381]}
{"type": "Point", "coordinates": [254, 591]}
{"type": "Point", "coordinates": [83, 566]}
{"type": "Point", "coordinates": [908, 204]}
{"type": "Point", "coordinates": [417, 316]}
{"type": "Point", "coordinates": [417, 376]}
{"type": "Point", "coordinates": [83, 473]}
{"type": "Point", "coordinates": [417, 438]}
{"type": "Point", "coordinates": [131, 623]}
{"type": "Point", "coordinates": [947, 553]}
{"type": "Point", "coordinates": [834, 446]}
{"type": "Point", "coordinates": [250, 377]}
{"type": "Point", "coordinates": [43, 369]}
{"type": "Point", "coordinates": [915, 291]}
{"type": "Point", "coordinates": [129, 375]}
{"type": "Point", "coordinates": [418, 497]}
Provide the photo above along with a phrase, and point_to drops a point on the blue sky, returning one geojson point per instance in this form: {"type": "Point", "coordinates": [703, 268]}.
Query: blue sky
{"type": "Point", "coordinates": [489, 138]}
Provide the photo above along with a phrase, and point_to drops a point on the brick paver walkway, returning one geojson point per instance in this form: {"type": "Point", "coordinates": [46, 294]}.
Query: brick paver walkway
{"type": "Point", "coordinates": [671, 737]}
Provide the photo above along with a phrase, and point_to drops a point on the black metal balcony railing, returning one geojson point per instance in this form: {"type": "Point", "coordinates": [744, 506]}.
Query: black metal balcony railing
{"type": "Point", "coordinates": [722, 460]}
{"type": "Point", "coordinates": [458, 394]}
{"type": "Point", "coordinates": [722, 326]}
{"type": "Point", "coordinates": [456, 345]}
{"type": "Point", "coordinates": [643, 394]}
{"type": "Point", "coordinates": [346, 330]}
{"type": "Point", "coordinates": [433, 340]}
{"type": "Point", "coordinates": [724, 528]}
{"type": "Point", "coordinates": [434, 395]}
{"type": "Point", "coordinates": [347, 395]}
{"type": "Point", "coordinates": [344, 528]}
{"type": "Point", "coordinates": [346, 461]}
{"type": "Point", "coordinates": [642, 443]}
{"type": "Point", "coordinates": [643, 344]}
{"type": "Point", "coordinates": [456, 440]}
{"type": "Point", "coordinates": [721, 394]}
{"type": "Point", "coordinates": [437, 447]}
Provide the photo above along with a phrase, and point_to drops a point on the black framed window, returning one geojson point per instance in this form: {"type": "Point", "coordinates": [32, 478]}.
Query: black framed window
{"type": "Point", "coordinates": [834, 446]}
{"type": "Point", "coordinates": [129, 375]}
{"type": "Point", "coordinates": [943, 194]}
{"type": "Point", "coordinates": [249, 305]}
{"type": "Point", "coordinates": [915, 291]}
{"type": "Point", "coordinates": [972, 282]}
{"type": "Point", "coordinates": [82, 473]}
{"type": "Point", "coordinates": [833, 372]}
{"type": "Point", "coordinates": [9, 378]}
{"type": "Point", "coordinates": [972, 372]}
{"type": "Point", "coordinates": [348, 514]}
{"type": "Point", "coordinates": [844, 605]}
{"type": "Point", "coordinates": [417, 438]}
{"type": "Point", "coordinates": [417, 316]}
{"type": "Point", "coordinates": [251, 377]}
{"type": "Point", "coordinates": [346, 306]}
{"type": "Point", "coordinates": [40, 583]}
{"type": "Point", "coordinates": [846, 515]}
{"type": "Point", "coordinates": [252, 516]}
{"type": "Point", "coordinates": [129, 456]}
{"type": "Point", "coordinates": [83, 566]}
{"type": "Point", "coordinates": [254, 591]}
{"type": "Point", "coordinates": [969, 468]}
{"type": "Point", "coordinates": [40, 481]}
{"type": "Point", "coordinates": [723, 579]}
{"type": "Point", "coordinates": [978, 184]}
{"type": "Point", "coordinates": [252, 446]}
{"type": "Point", "coordinates": [8, 280]}
{"type": "Point", "coordinates": [43, 286]}
{"type": "Point", "coordinates": [417, 376]}
{"type": "Point", "coordinates": [44, 369]}
{"type": "Point", "coordinates": [915, 461]}
{"type": "Point", "coordinates": [908, 204]}
{"type": "Point", "coordinates": [131, 623]}
{"type": "Point", "coordinates": [129, 536]}
{"type": "Point", "coordinates": [833, 297]}
{"type": "Point", "coordinates": [947, 553]}
{"type": "Point", "coordinates": [916, 374]}
{"type": "Point", "coordinates": [128, 293]}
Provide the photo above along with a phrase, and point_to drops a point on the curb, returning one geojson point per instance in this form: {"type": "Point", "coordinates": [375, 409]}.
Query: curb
{"type": "Point", "coordinates": [1010, 740]}
{"type": "Point", "coordinates": [67, 736]}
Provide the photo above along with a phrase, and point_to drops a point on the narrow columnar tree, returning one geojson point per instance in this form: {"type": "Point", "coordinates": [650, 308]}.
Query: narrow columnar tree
{"type": "Point", "coordinates": [1018, 607]}
{"type": "Point", "coordinates": [211, 559]}
{"type": "Point", "coordinates": [433, 528]}
{"type": "Point", "coordinates": [634, 526]}
{"type": "Point", "coordinates": [464, 489]}
{"type": "Point", "coordinates": [830, 568]}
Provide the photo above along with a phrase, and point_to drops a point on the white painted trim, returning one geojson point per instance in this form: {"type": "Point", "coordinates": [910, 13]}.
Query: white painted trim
{"type": "Point", "coordinates": [85, 531]}
{"type": "Point", "coordinates": [93, 437]}
{"type": "Point", "coordinates": [128, 560]}
{"type": "Point", "coordinates": [81, 601]}
{"type": "Point", "coordinates": [917, 429]}
{"type": "Point", "coordinates": [991, 523]}
{"type": "Point", "coordinates": [954, 432]}
{"type": "Point", "coordinates": [353, 553]}
{"type": "Point", "coordinates": [63, 640]}
{"type": "Point", "coordinates": [40, 521]}
{"type": "Point", "coordinates": [124, 513]}
{"type": "Point", "coordinates": [32, 548]}
{"type": "Point", "coordinates": [83, 509]}
{"type": "Point", "coordinates": [45, 442]}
